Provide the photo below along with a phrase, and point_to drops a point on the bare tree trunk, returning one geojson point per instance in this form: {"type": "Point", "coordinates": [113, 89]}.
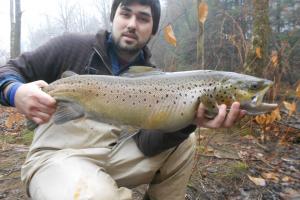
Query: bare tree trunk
{"type": "Point", "coordinates": [258, 57]}
{"type": "Point", "coordinates": [200, 40]}
{"type": "Point", "coordinates": [15, 33]}
{"type": "Point", "coordinates": [103, 6]}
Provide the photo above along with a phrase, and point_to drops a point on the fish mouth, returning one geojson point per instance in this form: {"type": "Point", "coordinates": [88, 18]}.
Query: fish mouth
{"type": "Point", "coordinates": [256, 106]}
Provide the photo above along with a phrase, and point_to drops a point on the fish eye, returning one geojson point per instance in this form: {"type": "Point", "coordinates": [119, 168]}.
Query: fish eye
{"type": "Point", "coordinates": [254, 86]}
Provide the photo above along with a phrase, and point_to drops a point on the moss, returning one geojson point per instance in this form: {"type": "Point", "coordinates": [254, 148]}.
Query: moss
{"type": "Point", "coordinates": [236, 170]}
{"type": "Point", "coordinates": [24, 138]}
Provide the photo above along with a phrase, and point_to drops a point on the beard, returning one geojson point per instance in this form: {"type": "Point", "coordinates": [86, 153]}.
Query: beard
{"type": "Point", "coordinates": [127, 48]}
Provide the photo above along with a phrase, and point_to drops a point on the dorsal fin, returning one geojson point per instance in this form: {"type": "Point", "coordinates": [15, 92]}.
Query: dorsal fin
{"type": "Point", "coordinates": [68, 73]}
{"type": "Point", "coordinates": [137, 71]}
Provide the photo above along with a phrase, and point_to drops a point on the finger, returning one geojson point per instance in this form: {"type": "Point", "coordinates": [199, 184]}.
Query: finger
{"type": "Point", "coordinates": [233, 115]}
{"type": "Point", "coordinates": [242, 114]}
{"type": "Point", "coordinates": [218, 121]}
{"type": "Point", "coordinates": [45, 109]}
{"type": "Point", "coordinates": [43, 117]}
{"type": "Point", "coordinates": [46, 99]}
{"type": "Point", "coordinates": [37, 120]}
{"type": "Point", "coordinates": [40, 83]}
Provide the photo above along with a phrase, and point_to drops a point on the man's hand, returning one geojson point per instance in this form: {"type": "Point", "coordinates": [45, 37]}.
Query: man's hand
{"type": "Point", "coordinates": [222, 119]}
{"type": "Point", "coordinates": [34, 103]}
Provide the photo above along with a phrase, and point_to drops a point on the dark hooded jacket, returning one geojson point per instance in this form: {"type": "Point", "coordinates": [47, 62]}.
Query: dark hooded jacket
{"type": "Point", "coordinates": [82, 54]}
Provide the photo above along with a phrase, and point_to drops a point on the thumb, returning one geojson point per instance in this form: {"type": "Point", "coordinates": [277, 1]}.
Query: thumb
{"type": "Point", "coordinates": [40, 83]}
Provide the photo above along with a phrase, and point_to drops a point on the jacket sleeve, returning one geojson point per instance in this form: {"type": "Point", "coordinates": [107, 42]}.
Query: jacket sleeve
{"type": "Point", "coordinates": [152, 143]}
{"type": "Point", "coordinates": [41, 64]}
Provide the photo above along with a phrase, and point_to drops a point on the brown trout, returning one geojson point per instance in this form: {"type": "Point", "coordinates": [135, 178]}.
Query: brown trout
{"type": "Point", "coordinates": [164, 101]}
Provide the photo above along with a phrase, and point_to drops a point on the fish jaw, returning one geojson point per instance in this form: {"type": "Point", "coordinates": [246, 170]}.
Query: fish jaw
{"type": "Point", "coordinates": [256, 106]}
{"type": "Point", "coordinates": [259, 109]}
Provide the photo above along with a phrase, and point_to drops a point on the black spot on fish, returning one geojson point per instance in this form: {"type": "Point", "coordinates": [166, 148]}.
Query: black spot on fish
{"type": "Point", "coordinates": [174, 102]}
{"type": "Point", "coordinates": [184, 102]}
{"type": "Point", "coordinates": [181, 114]}
{"type": "Point", "coordinates": [145, 99]}
{"type": "Point", "coordinates": [167, 95]}
{"type": "Point", "coordinates": [157, 101]}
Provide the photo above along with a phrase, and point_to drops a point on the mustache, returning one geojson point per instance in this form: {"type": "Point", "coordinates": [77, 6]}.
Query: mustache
{"type": "Point", "coordinates": [130, 34]}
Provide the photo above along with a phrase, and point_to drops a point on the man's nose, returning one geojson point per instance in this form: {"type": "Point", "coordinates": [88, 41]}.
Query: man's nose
{"type": "Point", "coordinates": [132, 23]}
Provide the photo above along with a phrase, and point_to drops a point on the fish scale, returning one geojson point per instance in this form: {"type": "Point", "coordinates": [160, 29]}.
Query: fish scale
{"type": "Point", "coordinates": [165, 102]}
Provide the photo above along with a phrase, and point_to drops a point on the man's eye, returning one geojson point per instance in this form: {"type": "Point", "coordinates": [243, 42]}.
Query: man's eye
{"type": "Point", "coordinates": [125, 14]}
{"type": "Point", "coordinates": [144, 19]}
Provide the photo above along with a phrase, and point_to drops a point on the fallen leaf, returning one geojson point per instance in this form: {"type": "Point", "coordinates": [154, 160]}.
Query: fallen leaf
{"type": "Point", "coordinates": [274, 58]}
{"type": "Point", "coordinates": [286, 179]}
{"type": "Point", "coordinates": [257, 181]}
{"type": "Point", "coordinates": [258, 52]}
{"type": "Point", "coordinates": [290, 193]}
{"type": "Point", "coordinates": [271, 176]}
{"type": "Point", "coordinates": [202, 12]}
{"type": "Point", "coordinates": [298, 91]}
{"type": "Point", "coordinates": [291, 107]}
{"type": "Point", "coordinates": [169, 35]}
{"type": "Point", "coordinates": [276, 114]}
{"type": "Point", "coordinates": [260, 119]}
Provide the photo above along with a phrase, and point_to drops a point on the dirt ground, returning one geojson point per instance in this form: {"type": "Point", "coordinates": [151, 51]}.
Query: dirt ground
{"type": "Point", "coordinates": [236, 164]}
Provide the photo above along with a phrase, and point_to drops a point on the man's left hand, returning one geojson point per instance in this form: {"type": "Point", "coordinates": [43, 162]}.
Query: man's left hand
{"type": "Point", "coordinates": [223, 119]}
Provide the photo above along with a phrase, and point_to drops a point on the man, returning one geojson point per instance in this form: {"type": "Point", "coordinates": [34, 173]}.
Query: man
{"type": "Point", "coordinates": [85, 159]}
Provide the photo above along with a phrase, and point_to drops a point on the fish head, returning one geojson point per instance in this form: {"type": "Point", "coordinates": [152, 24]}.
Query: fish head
{"type": "Point", "coordinates": [250, 92]}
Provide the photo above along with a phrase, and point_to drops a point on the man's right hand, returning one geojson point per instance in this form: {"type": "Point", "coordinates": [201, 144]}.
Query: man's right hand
{"type": "Point", "coordinates": [35, 104]}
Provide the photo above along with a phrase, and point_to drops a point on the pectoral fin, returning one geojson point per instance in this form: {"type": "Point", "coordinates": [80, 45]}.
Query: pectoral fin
{"type": "Point", "coordinates": [211, 107]}
{"type": "Point", "coordinates": [67, 111]}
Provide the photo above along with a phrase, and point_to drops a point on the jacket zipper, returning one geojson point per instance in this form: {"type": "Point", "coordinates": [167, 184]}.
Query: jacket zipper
{"type": "Point", "coordinates": [106, 65]}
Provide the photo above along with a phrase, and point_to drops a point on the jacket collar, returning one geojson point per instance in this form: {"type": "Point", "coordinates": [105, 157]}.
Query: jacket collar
{"type": "Point", "coordinates": [101, 47]}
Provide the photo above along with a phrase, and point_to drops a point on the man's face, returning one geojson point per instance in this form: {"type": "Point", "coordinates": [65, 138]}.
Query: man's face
{"type": "Point", "coordinates": [132, 27]}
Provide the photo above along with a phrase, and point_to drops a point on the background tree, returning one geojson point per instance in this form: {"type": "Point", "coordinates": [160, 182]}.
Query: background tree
{"type": "Point", "coordinates": [258, 58]}
{"type": "Point", "coordinates": [15, 28]}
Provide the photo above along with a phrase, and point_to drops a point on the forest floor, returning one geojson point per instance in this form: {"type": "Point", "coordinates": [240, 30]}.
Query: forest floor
{"type": "Point", "coordinates": [239, 163]}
